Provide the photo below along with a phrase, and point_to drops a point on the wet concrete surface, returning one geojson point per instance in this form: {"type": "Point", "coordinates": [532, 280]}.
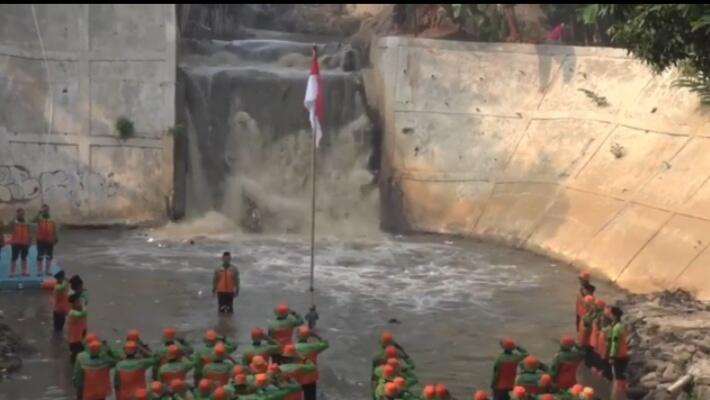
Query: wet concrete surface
{"type": "Point", "coordinates": [454, 298]}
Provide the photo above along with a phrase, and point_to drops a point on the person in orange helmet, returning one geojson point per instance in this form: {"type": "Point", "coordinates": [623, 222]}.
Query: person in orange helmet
{"type": "Point", "coordinates": [565, 364]}
{"type": "Point", "coordinates": [618, 350]}
{"type": "Point", "coordinates": [531, 370]}
{"type": "Point", "coordinates": [20, 244]}
{"type": "Point", "coordinates": [480, 395]}
{"type": "Point", "coordinates": [387, 340]}
{"type": "Point", "coordinates": [76, 326]}
{"type": "Point", "coordinates": [429, 392]}
{"type": "Point", "coordinates": [129, 373]}
{"type": "Point", "coordinates": [92, 373]}
{"type": "Point", "coordinates": [158, 391]}
{"type": "Point", "coordinates": [203, 390]}
{"type": "Point", "coordinates": [170, 338]}
{"type": "Point", "coordinates": [505, 368]}
{"type": "Point", "coordinates": [204, 354]}
{"type": "Point", "coordinates": [442, 393]}
{"type": "Point", "coordinates": [220, 394]}
{"type": "Point", "coordinates": [177, 367]}
{"type": "Point", "coordinates": [518, 393]}
{"type": "Point", "coordinates": [261, 345]}
{"type": "Point", "coordinates": [584, 333]}
{"type": "Point", "coordinates": [595, 359]}
{"type": "Point", "coordinates": [585, 288]}
{"type": "Point", "coordinates": [545, 384]}
{"type": "Point", "coordinates": [219, 370]}
{"type": "Point", "coordinates": [281, 329]}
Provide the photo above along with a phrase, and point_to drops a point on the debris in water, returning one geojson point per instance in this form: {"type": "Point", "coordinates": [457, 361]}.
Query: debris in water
{"type": "Point", "coordinates": [151, 240]}
{"type": "Point", "coordinates": [448, 242]}
{"type": "Point", "coordinates": [394, 321]}
{"type": "Point", "coordinates": [199, 293]}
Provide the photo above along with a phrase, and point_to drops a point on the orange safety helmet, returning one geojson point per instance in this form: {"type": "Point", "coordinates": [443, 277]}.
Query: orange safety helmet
{"type": "Point", "coordinates": [204, 386]}
{"type": "Point", "coordinates": [507, 344]}
{"type": "Point", "coordinates": [169, 333]}
{"type": "Point", "coordinates": [480, 395]}
{"type": "Point", "coordinates": [304, 332]}
{"type": "Point", "coordinates": [387, 338]}
{"type": "Point", "coordinates": [282, 310]}
{"type": "Point", "coordinates": [390, 352]}
{"type": "Point", "coordinates": [257, 334]}
{"type": "Point", "coordinates": [429, 392]}
{"type": "Point", "coordinates": [133, 335]}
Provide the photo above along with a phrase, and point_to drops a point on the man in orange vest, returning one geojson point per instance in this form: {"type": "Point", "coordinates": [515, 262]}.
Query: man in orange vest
{"type": "Point", "coordinates": [46, 239]}
{"type": "Point", "coordinates": [20, 231]}
{"type": "Point", "coordinates": [585, 289]}
{"type": "Point", "coordinates": [61, 301]}
{"type": "Point", "coordinates": [226, 284]}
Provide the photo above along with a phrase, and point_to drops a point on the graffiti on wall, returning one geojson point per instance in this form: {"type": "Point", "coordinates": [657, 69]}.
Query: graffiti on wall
{"type": "Point", "coordinates": [18, 185]}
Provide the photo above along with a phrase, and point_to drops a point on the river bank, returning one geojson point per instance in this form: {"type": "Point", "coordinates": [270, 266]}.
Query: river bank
{"type": "Point", "coordinates": [669, 339]}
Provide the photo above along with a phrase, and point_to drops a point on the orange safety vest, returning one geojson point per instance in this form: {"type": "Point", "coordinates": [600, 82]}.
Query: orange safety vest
{"type": "Point", "coordinates": [602, 345]}
{"type": "Point", "coordinates": [506, 375]}
{"type": "Point", "coordinates": [225, 282]}
{"type": "Point", "coordinates": [97, 383]}
{"type": "Point", "coordinates": [623, 351]}
{"type": "Point", "coordinates": [580, 308]}
{"type": "Point", "coordinates": [583, 334]}
{"type": "Point", "coordinates": [221, 378]}
{"type": "Point", "coordinates": [75, 329]}
{"type": "Point", "coordinates": [307, 378]}
{"type": "Point", "coordinates": [20, 233]}
{"type": "Point", "coordinates": [130, 381]}
{"type": "Point", "coordinates": [567, 374]}
{"type": "Point", "coordinates": [45, 231]}
{"type": "Point", "coordinates": [61, 301]}
{"type": "Point", "coordinates": [167, 377]}
{"type": "Point", "coordinates": [594, 335]}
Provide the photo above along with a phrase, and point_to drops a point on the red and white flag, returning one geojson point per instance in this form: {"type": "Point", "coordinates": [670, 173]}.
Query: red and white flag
{"type": "Point", "coordinates": [314, 98]}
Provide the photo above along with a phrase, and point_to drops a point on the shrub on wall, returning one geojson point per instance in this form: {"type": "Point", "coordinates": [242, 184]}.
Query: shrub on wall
{"type": "Point", "coordinates": [125, 128]}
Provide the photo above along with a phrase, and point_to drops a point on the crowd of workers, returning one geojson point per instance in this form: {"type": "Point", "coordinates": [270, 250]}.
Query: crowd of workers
{"type": "Point", "coordinates": [600, 344]}
{"type": "Point", "coordinates": [18, 235]}
{"type": "Point", "coordinates": [272, 367]}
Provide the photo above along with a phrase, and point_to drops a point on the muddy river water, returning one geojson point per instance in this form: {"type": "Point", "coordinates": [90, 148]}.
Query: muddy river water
{"type": "Point", "coordinates": [453, 299]}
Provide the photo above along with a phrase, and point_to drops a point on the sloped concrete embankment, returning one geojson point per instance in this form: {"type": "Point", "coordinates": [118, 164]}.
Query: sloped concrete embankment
{"type": "Point", "coordinates": [581, 154]}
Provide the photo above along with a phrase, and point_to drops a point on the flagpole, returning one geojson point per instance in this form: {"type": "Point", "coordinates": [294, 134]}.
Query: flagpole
{"type": "Point", "coordinates": [313, 204]}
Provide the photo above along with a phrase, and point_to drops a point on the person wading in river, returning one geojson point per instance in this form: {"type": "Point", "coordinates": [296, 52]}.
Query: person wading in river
{"type": "Point", "coordinates": [225, 284]}
{"type": "Point", "coordinates": [61, 301]}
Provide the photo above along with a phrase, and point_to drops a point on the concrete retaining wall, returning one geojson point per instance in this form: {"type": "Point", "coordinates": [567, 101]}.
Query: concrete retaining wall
{"type": "Point", "coordinates": [104, 61]}
{"type": "Point", "coordinates": [501, 141]}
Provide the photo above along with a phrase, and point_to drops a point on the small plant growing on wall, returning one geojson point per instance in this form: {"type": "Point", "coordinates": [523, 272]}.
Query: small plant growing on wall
{"type": "Point", "coordinates": [617, 150]}
{"type": "Point", "coordinates": [125, 128]}
{"type": "Point", "coordinates": [599, 100]}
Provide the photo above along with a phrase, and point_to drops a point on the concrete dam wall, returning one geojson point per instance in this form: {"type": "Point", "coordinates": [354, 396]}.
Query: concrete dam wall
{"type": "Point", "coordinates": [61, 96]}
{"type": "Point", "coordinates": [581, 154]}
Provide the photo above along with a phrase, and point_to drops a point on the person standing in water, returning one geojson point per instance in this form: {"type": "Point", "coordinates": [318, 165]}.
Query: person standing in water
{"type": "Point", "coordinates": [225, 284]}
{"type": "Point", "coordinates": [46, 239]}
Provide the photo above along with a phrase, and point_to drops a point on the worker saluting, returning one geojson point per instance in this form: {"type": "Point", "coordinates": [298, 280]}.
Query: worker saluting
{"type": "Point", "coordinates": [225, 284]}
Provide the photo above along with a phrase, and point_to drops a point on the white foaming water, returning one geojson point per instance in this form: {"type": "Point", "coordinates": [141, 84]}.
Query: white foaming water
{"type": "Point", "coordinates": [422, 277]}
{"type": "Point", "coordinates": [275, 176]}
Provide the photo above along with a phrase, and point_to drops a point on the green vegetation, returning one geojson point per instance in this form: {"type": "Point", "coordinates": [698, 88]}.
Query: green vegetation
{"type": "Point", "coordinates": [662, 36]}
{"type": "Point", "coordinates": [125, 128]}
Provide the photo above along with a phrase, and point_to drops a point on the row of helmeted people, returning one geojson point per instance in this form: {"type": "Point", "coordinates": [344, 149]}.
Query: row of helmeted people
{"type": "Point", "coordinates": [272, 367]}
{"type": "Point", "coordinates": [516, 375]}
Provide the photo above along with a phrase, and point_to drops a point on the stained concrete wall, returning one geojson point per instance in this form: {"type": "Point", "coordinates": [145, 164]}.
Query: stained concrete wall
{"type": "Point", "coordinates": [104, 61]}
{"type": "Point", "coordinates": [500, 141]}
